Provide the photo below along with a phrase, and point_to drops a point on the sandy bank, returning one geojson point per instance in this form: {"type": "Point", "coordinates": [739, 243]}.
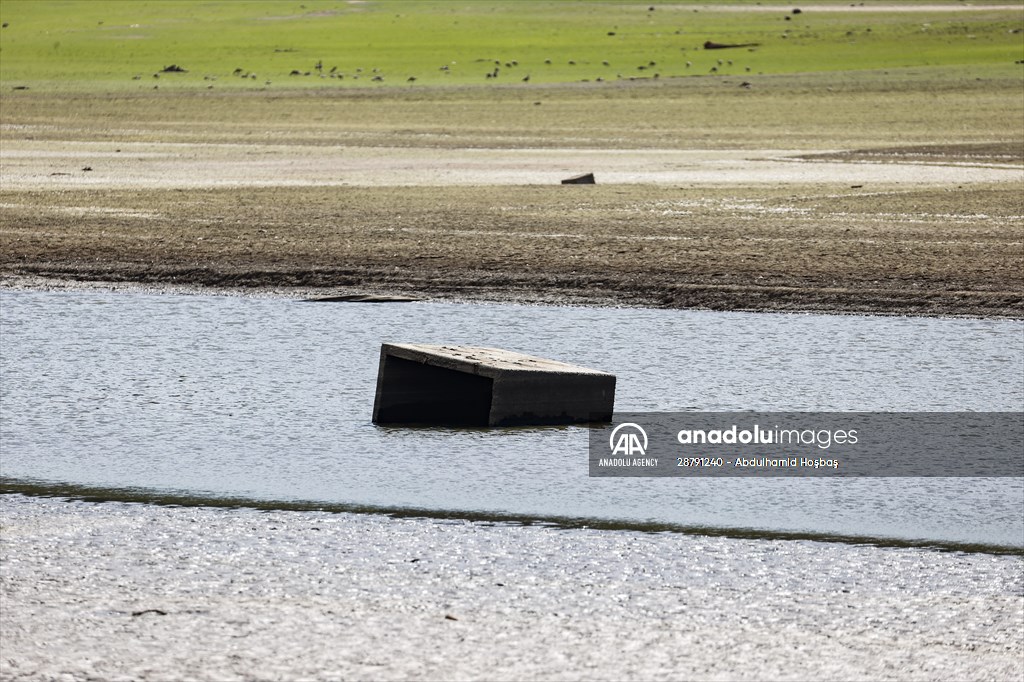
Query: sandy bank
{"type": "Point", "coordinates": [115, 591]}
{"type": "Point", "coordinates": [43, 165]}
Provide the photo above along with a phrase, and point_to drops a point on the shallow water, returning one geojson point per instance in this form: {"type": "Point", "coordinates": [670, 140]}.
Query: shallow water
{"type": "Point", "coordinates": [270, 400]}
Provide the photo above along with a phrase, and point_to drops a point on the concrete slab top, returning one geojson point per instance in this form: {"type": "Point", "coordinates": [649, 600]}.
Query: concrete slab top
{"type": "Point", "coordinates": [481, 360]}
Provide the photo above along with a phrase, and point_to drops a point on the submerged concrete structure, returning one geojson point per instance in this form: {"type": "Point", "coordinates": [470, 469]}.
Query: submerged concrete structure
{"type": "Point", "coordinates": [477, 386]}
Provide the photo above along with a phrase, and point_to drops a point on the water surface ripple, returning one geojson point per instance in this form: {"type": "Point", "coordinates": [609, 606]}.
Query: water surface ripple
{"type": "Point", "coordinates": [269, 400]}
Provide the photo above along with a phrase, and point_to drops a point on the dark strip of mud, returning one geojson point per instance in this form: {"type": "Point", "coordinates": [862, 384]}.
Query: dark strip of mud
{"type": "Point", "coordinates": [932, 252]}
{"type": "Point", "coordinates": [547, 289]}
{"type": "Point", "coordinates": [10, 486]}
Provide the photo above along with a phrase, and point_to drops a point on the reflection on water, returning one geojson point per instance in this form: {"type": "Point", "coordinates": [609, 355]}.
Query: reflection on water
{"type": "Point", "coordinates": [270, 399]}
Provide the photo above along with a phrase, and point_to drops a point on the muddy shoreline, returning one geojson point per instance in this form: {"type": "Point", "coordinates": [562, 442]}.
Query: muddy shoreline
{"type": "Point", "coordinates": [745, 224]}
{"type": "Point", "coordinates": [798, 248]}
{"type": "Point", "coordinates": [297, 285]}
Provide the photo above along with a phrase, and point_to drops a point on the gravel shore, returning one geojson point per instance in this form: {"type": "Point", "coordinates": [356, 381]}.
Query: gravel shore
{"type": "Point", "coordinates": [127, 591]}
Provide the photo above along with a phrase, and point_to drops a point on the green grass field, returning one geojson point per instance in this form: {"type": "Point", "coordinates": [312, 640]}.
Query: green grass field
{"type": "Point", "coordinates": [104, 45]}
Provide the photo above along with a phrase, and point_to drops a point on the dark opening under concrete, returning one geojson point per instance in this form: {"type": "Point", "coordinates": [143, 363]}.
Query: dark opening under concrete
{"type": "Point", "coordinates": [477, 386]}
{"type": "Point", "coordinates": [422, 393]}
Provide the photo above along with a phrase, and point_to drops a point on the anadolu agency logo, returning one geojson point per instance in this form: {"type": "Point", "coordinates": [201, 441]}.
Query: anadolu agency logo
{"type": "Point", "coordinates": [631, 441]}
